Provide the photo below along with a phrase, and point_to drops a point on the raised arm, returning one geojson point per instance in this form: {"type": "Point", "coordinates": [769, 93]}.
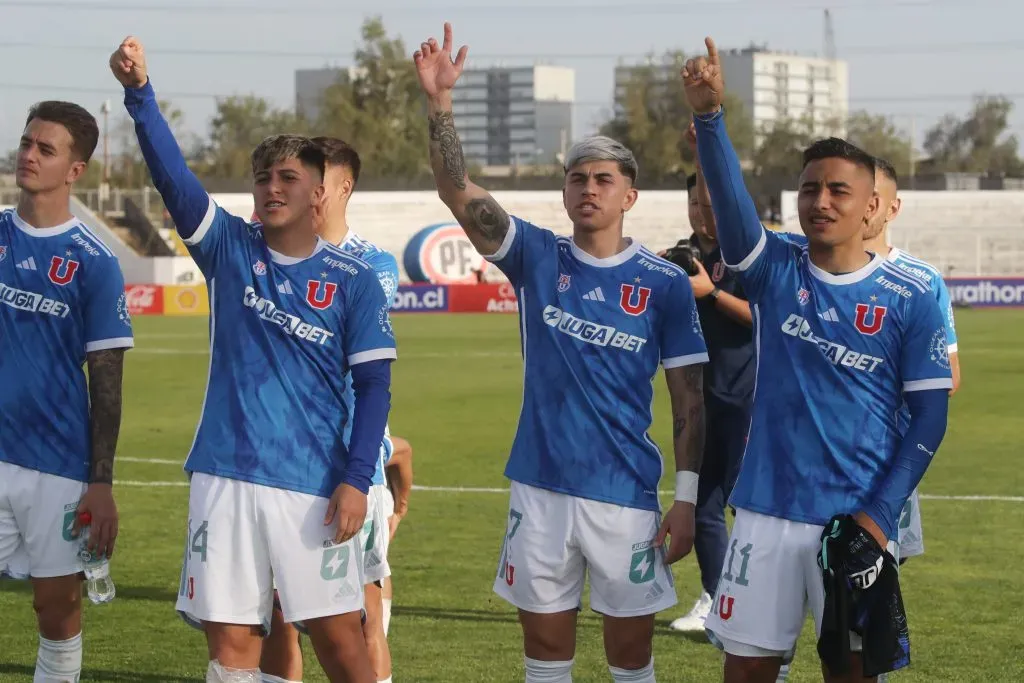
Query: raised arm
{"type": "Point", "coordinates": [739, 227]}
{"type": "Point", "coordinates": [483, 219]}
{"type": "Point", "coordinates": [186, 200]}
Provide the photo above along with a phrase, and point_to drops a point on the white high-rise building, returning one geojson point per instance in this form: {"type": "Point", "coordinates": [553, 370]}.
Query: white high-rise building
{"type": "Point", "coordinates": [505, 116]}
{"type": "Point", "coordinates": [774, 86]}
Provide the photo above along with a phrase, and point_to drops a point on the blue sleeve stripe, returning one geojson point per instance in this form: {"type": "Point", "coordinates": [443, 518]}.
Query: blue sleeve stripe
{"type": "Point", "coordinates": [204, 226]}
{"type": "Point", "coordinates": [371, 355]}
{"type": "Point", "coordinates": [682, 361]}
{"type": "Point", "coordinates": [506, 244]}
{"type": "Point", "coordinates": [926, 384]}
{"type": "Point", "coordinates": [112, 343]}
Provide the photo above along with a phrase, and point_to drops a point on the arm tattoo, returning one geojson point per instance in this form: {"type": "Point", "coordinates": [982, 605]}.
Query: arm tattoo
{"type": "Point", "coordinates": [444, 143]}
{"type": "Point", "coordinates": [487, 216]}
{"type": "Point", "coordinates": [688, 420]}
{"type": "Point", "coordinates": [105, 372]}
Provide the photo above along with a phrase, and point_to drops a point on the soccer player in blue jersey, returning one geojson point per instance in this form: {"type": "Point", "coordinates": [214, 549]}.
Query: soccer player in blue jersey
{"type": "Point", "coordinates": [276, 496]}
{"type": "Point", "coordinates": [62, 304]}
{"type": "Point", "coordinates": [598, 315]}
{"type": "Point", "coordinates": [844, 339]}
{"type": "Point", "coordinates": [910, 540]}
{"type": "Point", "coordinates": [282, 656]}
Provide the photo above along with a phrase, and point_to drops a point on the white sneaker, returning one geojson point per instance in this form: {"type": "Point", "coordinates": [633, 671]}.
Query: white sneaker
{"type": "Point", "coordinates": [694, 621]}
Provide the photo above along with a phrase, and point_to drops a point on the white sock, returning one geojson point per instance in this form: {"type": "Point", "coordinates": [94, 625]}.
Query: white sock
{"type": "Point", "coordinates": [644, 675]}
{"type": "Point", "coordinates": [59, 661]}
{"type": "Point", "coordinates": [783, 674]}
{"type": "Point", "coordinates": [387, 614]}
{"type": "Point", "coordinates": [215, 673]}
{"type": "Point", "coordinates": [548, 672]}
{"type": "Point", "coordinates": [385, 680]}
{"type": "Point", "coordinates": [267, 678]}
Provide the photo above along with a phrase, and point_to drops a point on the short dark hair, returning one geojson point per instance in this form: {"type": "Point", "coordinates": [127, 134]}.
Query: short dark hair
{"type": "Point", "coordinates": [691, 181]}
{"type": "Point", "coordinates": [886, 168]}
{"type": "Point", "coordinates": [837, 148]}
{"type": "Point", "coordinates": [277, 148]}
{"type": "Point", "coordinates": [337, 152]}
{"type": "Point", "coordinates": [85, 133]}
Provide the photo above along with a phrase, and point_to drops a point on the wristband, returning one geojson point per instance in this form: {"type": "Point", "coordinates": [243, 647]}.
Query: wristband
{"type": "Point", "coordinates": [686, 486]}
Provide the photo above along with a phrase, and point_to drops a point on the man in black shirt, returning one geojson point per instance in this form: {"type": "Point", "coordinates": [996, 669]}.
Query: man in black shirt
{"type": "Point", "coordinates": [728, 391]}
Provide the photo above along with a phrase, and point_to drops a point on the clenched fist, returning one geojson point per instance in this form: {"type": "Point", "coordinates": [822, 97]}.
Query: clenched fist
{"type": "Point", "coordinates": [702, 78]}
{"type": "Point", "coordinates": [128, 63]}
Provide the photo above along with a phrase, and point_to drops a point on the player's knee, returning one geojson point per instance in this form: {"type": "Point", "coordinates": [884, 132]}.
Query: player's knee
{"type": "Point", "coordinates": [633, 655]}
{"type": "Point", "coordinates": [751, 669]}
{"type": "Point", "coordinates": [58, 607]}
{"type": "Point", "coordinates": [628, 642]}
{"type": "Point", "coordinates": [545, 637]}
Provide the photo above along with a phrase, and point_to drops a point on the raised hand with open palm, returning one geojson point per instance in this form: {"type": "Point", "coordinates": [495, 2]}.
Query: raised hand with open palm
{"type": "Point", "coordinates": [436, 69]}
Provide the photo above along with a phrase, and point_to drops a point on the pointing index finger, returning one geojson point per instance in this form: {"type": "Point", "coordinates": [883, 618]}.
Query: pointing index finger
{"type": "Point", "coordinates": [712, 50]}
{"type": "Point", "coordinates": [447, 46]}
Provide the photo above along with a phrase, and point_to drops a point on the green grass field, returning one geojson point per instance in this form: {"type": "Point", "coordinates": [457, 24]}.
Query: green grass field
{"type": "Point", "coordinates": [456, 397]}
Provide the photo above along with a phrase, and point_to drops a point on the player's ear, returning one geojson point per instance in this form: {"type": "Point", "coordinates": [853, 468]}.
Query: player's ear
{"type": "Point", "coordinates": [894, 209]}
{"type": "Point", "coordinates": [874, 206]}
{"type": "Point", "coordinates": [75, 172]}
{"type": "Point", "coordinates": [319, 193]}
{"type": "Point", "coordinates": [630, 199]}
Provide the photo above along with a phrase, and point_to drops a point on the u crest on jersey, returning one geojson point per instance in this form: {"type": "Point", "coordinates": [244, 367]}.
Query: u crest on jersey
{"type": "Point", "coordinates": [320, 299]}
{"type": "Point", "coordinates": [62, 271]}
{"type": "Point", "coordinates": [869, 319]}
{"type": "Point", "coordinates": [634, 299]}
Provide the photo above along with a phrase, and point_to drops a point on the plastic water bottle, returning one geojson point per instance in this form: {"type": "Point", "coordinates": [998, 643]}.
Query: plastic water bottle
{"type": "Point", "coordinates": [98, 583]}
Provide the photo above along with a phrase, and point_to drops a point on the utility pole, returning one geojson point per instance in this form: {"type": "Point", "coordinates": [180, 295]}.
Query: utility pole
{"type": "Point", "coordinates": [105, 180]}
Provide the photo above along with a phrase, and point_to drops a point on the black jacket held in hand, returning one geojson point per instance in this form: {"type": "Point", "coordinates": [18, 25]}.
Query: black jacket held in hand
{"type": "Point", "coordinates": [862, 596]}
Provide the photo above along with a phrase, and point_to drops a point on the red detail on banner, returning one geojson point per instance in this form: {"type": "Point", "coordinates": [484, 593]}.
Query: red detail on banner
{"type": "Point", "coordinates": [486, 298]}
{"type": "Point", "coordinates": [144, 299]}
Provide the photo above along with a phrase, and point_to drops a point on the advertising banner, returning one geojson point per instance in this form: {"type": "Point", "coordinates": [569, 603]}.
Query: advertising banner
{"type": "Point", "coordinates": [486, 298]}
{"type": "Point", "coordinates": [186, 300]}
{"type": "Point", "coordinates": [986, 292]}
{"type": "Point", "coordinates": [144, 299]}
{"type": "Point", "coordinates": [421, 299]}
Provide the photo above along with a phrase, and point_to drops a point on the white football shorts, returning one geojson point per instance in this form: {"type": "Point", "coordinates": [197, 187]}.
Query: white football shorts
{"type": "Point", "coordinates": [910, 533]}
{"type": "Point", "coordinates": [373, 537]}
{"type": "Point", "coordinates": [769, 581]}
{"type": "Point", "coordinates": [37, 513]}
{"type": "Point", "coordinates": [244, 539]}
{"type": "Point", "coordinates": [552, 540]}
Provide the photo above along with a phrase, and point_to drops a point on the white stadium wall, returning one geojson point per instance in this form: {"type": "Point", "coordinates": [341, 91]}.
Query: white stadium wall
{"type": "Point", "coordinates": [390, 219]}
{"type": "Point", "coordinates": [959, 232]}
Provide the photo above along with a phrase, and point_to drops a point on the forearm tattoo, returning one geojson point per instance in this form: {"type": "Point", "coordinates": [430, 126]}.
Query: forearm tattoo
{"type": "Point", "coordinates": [105, 374]}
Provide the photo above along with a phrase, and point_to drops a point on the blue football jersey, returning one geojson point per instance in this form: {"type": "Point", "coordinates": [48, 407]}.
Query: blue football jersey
{"type": "Point", "coordinates": [835, 355]}
{"type": "Point", "coordinates": [284, 334]}
{"type": "Point", "coordinates": [593, 333]}
{"type": "Point", "coordinates": [930, 274]}
{"type": "Point", "coordinates": [386, 268]}
{"type": "Point", "coordinates": [61, 297]}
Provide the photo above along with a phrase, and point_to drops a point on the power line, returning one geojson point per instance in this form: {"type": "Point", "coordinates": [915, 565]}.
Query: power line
{"type": "Point", "coordinates": [860, 50]}
{"type": "Point", "coordinates": [646, 9]}
{"type": "Point", "coordinates": [170, 95]}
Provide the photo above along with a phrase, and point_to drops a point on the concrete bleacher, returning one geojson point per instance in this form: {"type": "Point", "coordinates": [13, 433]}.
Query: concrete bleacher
{"type": "Point", "coordinates": [961, 233]}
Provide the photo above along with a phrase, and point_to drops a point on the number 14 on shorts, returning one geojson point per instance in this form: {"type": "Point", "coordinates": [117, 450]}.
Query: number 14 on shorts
{"type": "Point", "coordinates": [195, 544]}
{"type": "Point", "coordinates": [722, 605]}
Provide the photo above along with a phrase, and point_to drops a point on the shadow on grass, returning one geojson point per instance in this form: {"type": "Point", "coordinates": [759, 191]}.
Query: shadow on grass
{"type": "Point", "coordinates": [148, 593]}
{"type": "Point", "coordinates": [26, 673]}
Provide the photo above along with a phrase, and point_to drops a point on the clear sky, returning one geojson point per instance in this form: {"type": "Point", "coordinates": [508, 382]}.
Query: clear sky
{"type": "Point", "coordinates": [912, 59]}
